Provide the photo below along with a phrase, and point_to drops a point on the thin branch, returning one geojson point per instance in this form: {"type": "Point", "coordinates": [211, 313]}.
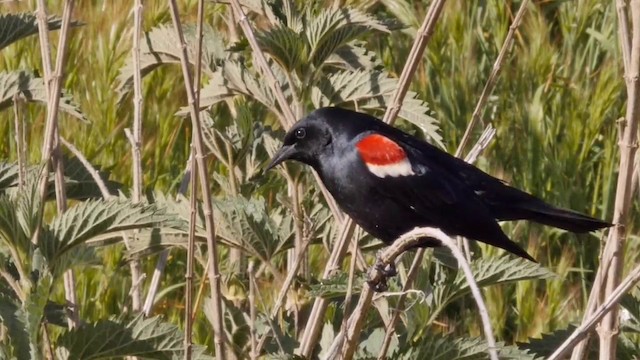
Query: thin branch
{"type": "Point", "coordinates": [589, 323]}
{"type": "Point", "coordinates": [493, 77]}
{"type": "Point", "coordinates": [214, 275]}
{"type": "Point", "coordinates": [627, 138]}
{"type": "Point", "coordinates": [188, 299]}
{"type": "Point", "coordinates": [95, 175]}
{"type": "Point", "coordinates": [136, 142]}
{"type": "Point", "coordinates": [415, 55]}
{"type": "Point", "coordinates": [344, 349]}
{"type": "Point", "coordinates": [164, 255]}
{"type": "Point", "coordinates": [50, 148]}
{"type": "Point", "coordinates": [613, 256]}
{"type": "Point", "coordinates": [390, 328]}
{"type": "Point", "coordinates": [194, 195]}
{"type": "Point", "coordinates": [262, 63]}
{"type": "Point", "coordinates": [252, 311]}
{"type": "Point", "coordinates": [20, 143]}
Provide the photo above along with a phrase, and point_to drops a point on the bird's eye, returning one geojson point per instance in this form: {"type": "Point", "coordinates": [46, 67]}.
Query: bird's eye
{"type": "Point", "coordinates": [300, 133]}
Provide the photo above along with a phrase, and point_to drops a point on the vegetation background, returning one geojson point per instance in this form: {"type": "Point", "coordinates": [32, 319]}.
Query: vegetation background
{"type": "Point", "coordinates": [556, 109]}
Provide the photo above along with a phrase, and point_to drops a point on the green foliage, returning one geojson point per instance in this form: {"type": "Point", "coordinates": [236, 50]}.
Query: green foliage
{"type": "Point", "coordinates": [31, 88]}
{"type": "Point", "coordinates": [150, 338]}
{"type": "Point", "coordinates": [14, 27]}
{"type": "Point", "coordinates": [555, 107]}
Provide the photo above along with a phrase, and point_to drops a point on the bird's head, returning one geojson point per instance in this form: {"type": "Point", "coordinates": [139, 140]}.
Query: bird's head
{"type": "Point", "coordinates": [306, 142]}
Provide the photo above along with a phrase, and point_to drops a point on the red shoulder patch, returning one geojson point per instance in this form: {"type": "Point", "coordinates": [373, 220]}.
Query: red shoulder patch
{"type": "Point", "coordinates": [377, 149]}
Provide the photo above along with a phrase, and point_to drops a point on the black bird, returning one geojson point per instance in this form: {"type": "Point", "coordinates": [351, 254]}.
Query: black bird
{"type": "Point", "coordinates": [390, 182]}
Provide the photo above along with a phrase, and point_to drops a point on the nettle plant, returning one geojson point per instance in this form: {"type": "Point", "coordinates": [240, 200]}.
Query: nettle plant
{"type": "Point", "coordinates": [35, 254]}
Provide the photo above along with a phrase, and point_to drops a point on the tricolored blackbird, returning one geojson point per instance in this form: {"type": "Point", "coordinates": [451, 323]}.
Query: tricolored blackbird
{"type": "Point", "coordinates": [390, 182]}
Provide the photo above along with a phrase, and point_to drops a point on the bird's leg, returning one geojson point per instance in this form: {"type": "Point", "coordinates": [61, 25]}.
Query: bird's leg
{"type": "Point", "coordinates": [385, 271]}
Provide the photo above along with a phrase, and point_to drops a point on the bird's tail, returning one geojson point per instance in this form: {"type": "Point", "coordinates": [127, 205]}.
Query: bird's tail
{"type": "Point", "coordinates": [538, 211]}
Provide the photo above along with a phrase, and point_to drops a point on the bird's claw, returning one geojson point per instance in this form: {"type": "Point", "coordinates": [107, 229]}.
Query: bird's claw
{"type": "Point", "coordinates": [384, 272]}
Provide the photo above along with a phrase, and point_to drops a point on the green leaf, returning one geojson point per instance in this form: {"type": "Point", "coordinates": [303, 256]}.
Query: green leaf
{"type": "Point", "coordinates": [548, 343]}
{"type": "Point", "coordinates": [373, 90]}
{"type": "Point", "coordinates": [94, 218]}
{"type": "Point", "coordinates": [14, 27]}
{"type": "Point", "coordinates": [8, 175]}
{"type": "Point", "coordinates": [18, 339]}
{"type": "Point", "coordinates": [333, 28]}
{"type": "Point", "coordinates": [499, 271]}
{"type": "Point", "coordinates": [286, 47]}
{"type": "Point", "coordinates": [150, 338]}
{"type": "Point", "coordinates": [354, 56]}
{"type": "Point", "coordinates": [439, 347]}
{"type": "Point", "coordinates": [247, 224]}
{"type": "Point", "coordinates": [32, 89]}
{"type": "Point", "coordinates": [230, 80]}
{"type": "Point", "coordinates": [161, 46]}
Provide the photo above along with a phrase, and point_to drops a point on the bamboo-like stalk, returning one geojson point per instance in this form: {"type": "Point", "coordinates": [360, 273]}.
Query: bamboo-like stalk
{"type": "Point", "coordinates": [415, 55]}
{"type": "Point", "coordinates": [136, 143]}
{"type": "Point", "coordinates": [263, 65]}
{"type": "Point", "coordinates": [50, 149]}
{"type": "Point", "coordinates": [601, 277]}
{"type": "Point", "coordinates": [614, 251]}
{"type": "Point", "coordinates": [612, 301]}
{"type": "Point", "coordinates": [253, 311]}
{"type": "Point", "coordinates": [314, 324]}
{"type": "Point", "coordinates": [214, 275]}
{"type": "Point", "coordinates": [21, 151]}
{"type": "Point", "coordinates": [189, 314]}
{"type": "Point", "coordinates": [194, 193]}
{"type": "Point", "coordinates": [345, 343]}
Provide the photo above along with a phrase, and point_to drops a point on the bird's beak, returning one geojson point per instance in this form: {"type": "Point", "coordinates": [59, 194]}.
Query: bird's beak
{"type": "Point", "coordinates": [283, 154]}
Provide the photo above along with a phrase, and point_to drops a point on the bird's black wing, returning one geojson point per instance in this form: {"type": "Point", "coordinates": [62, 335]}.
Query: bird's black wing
{"type": "Point", "coordinates": [438, 197]}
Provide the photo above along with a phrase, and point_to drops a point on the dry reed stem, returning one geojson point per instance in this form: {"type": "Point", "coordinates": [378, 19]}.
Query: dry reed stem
{"type": "Point", "coordinates": [135, 139]}
{"type": "Point", "coordinates": [610, 247]}
{"type": "Point", "coordinates": [614, 250]}
{"type": "Point", "coordinates": [344, 349]}
{"type": "Point", "coordinates": [493, 77]}
{"type": "Point", "coordinates": [593, 319]}
{"type": "Point", "coordinates": [50, 147]}
{"type": "Point", "coordinates": [194, 191]}
{"type": "Point", "coordinates": [214, 275]}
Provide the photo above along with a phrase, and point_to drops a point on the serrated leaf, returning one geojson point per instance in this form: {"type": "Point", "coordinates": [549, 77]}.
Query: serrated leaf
{"type": "Point", "coordinates": [499, 271]}
{"type": "Point", "coordinates": [14, 27]}
{"type": "Point", "coordinates": [333, 28]}
{"type": "Point", "coordinates": [373, 90]}
{"type": "Point", "coordinates": [161, 46]}
{"type": "Point", "coordinates": [18, 339]}
{"type": "Point", "coordinates": [336, 286]}
{"type": "Point", "coordinates": [354, 56]}
{"type": "Point", "coordinates": [229, 80]}
{"type": "Point", "coordinates": [439, 347]}
{"type": "Point", "coordinates": [146, 338]}
{"type": "Point", "coordinates": [31, 88]}
{"type": "Point", "coordinates": [8, 175]}
{"type": "Point", "coordinates": [247, 224]}
{"type": "Point", "coordinates": [286, 47]}
{"type": "Point", "coordinates": [92, 218]}
{"type": "Point", "coordinates": [548, 343]}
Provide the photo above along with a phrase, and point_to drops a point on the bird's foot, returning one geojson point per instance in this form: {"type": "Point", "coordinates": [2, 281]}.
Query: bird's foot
{"type": "Point", "coordinates": [378, 279]}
